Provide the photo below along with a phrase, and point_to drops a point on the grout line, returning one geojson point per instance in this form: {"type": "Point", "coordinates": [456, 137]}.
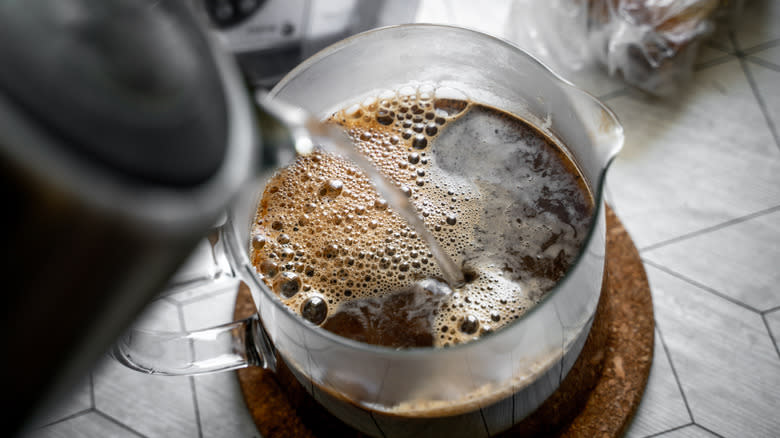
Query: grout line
{"type": "Point", "coordinates": [754, 87]}
{"type": "Point", "coordinates": [180, 314]}
{"type": "Point", "coordinates": [67, 417]}
{"type": "Point", "coordinates": [715, 45]}
{"type": "Point", "coordinates": [167, 299]}
{"type": "Point", "coordinates": [682, 426]}
{"type": "Point", "coordinates": [709, 430]}
{"type": "Point", "coordinates": [215, 286]}
{"type": "Point", "coordinates": [762, 46]}
{"type": "Point", "coordinates": [763, 63]}
{"type": "Point", "coordinates": [193, 391]}
{"type": "Point", "coordinates": [195, 404]}
{"type": "Point", "coordinates": [733, 38]}
{"type": "Point", "coordinates": [710, 229]}
{"type": "Point", "coordinates": [171, 291]}
{"type": "Point", "coordinates": [771, 335]}
{"type": "Point", "coordinates": [761, 103]}
{"type": "Point", "coordinates": [92, 389]}
{"type": "Point", "coordinates": [713, 62]}
{"type": "Point", "coordinates": [767, 311]}
{"type": "Point", "coordinates": [119, 423]}
{"type": "Point", "coordinates": [674, 371]}
{"type": "Point", "coordinates": [212, 294]}
{"type": "Point", "coordinates": [701, 286]}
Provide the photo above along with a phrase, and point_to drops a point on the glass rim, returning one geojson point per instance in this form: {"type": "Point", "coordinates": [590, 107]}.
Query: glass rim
{"type": "Point", "coordinates": [417, 352]}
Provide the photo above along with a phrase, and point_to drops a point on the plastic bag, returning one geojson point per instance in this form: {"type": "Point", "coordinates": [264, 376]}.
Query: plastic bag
{"type": "Point", "coordinates": [652, 44]}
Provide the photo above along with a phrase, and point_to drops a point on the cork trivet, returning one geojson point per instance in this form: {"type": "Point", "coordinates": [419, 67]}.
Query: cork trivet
{"type": "Point", "coordinates": [598, 397]}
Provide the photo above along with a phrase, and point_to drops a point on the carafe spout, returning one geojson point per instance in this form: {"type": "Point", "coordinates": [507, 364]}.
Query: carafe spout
{"type": "Point", "coordinates": [600, 123]}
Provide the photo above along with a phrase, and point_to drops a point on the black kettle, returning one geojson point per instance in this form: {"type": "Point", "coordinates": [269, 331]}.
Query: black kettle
{"type": "Point", "coordinates": [124, 133]}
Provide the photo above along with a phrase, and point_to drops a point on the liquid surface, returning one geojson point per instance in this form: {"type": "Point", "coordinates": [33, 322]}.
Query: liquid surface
{"type": "Point", "coordinates": [505, 203]}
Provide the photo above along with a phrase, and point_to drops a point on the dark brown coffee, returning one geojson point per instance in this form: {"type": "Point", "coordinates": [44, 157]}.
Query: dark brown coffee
{"type": "Point", "coordinates": [505, 201]}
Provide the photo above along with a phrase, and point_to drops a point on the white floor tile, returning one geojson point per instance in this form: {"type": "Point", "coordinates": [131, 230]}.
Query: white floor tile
{"type": "Point", "coordinates": [768, 84]}
{"type": "Point", "coordinates": [199, 278]}
{"type": "Point", "coordinates": [662, 406]}
{"type": "Point", "coordinates": [223, 412]}
{"type": "Point", "coordinates": [759, 23]}
{"type": "Point", "coordinates": [691, 431]}
{"type": "Point", "coordinates": [727, 365]}
{"type": "Point", "coordinates": [696, 161]}
{"type": "Point", "coordinates": [773, 320]}
{"type": "Point", "coordinates": [707, 54]}
{"type": "Point", "coordinates": [212, 310]}
{"type": "Point", "coordinates": [77, 400]}
{"type": "Point", "coordinates": [721, 39]}
{"type": "Point", "coordinates": [771, 54]}
{"type": "Point", "coordinates": [159, 315]}
{"type": "Point", "coordinates": [198, 266]}
{"type": "Point", "coordinates": [156, 406]}
{"type": "Point", "coordinates": [739, 260]}
{"type": "Point", "coordinates": [90, 425]}
{"type": "Point", "coordinates": [216, 287]}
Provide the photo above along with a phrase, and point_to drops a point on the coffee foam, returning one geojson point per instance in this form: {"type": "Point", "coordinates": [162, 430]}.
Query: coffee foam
{"type": "Point", "coordinates": [322, 231]}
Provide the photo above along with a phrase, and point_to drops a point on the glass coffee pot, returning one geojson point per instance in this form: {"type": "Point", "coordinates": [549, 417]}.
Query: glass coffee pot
{"type": "Point", "coordinates": [477, 388]}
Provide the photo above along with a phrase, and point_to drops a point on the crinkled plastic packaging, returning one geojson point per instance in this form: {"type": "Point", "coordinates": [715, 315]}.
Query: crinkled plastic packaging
{"type": "Point", "coordinates": [651, 44]}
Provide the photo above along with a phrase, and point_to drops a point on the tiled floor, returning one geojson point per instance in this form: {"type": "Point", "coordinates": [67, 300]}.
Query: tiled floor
{"type": "Point", "coordinates": [698, 187]}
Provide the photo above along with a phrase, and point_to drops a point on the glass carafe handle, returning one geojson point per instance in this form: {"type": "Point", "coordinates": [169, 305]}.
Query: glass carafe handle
{"type": "Point", "coordinates": [223, 347]}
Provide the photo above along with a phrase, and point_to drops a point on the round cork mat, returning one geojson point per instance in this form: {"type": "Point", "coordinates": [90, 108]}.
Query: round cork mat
{"type": "Point", "coordinates": [597, 398]}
